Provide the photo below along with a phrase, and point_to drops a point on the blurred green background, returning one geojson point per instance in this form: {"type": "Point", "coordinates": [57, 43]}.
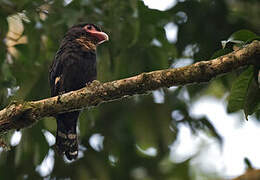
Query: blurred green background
{"type": "Point", "coordinates": [115, 136]}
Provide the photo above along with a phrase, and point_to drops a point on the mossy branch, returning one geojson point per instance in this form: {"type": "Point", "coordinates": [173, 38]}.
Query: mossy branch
{"type": "Point", "coordinates": [21, 115]}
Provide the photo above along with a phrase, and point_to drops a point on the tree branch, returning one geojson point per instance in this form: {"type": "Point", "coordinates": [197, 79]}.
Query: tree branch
{"type": "Point", "coordinates": [250, 174]}
{"type": "Point", "coordinates": [21, 115]}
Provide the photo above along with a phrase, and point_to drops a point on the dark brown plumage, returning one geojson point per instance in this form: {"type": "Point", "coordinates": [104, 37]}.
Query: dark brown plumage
{"type": "Point", "coordinates": [73, 66]}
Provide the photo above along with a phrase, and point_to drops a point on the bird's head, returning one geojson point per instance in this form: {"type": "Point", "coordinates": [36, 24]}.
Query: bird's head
{"type": "Point", "coordinates": [87, 34]}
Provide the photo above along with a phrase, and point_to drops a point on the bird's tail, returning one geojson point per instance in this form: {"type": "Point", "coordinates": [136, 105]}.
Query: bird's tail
{"type": "Point", "coordinates": [66, 136]}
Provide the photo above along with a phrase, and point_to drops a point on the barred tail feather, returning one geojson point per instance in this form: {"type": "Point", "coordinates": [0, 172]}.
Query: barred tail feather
{"type": "Point", "coordinates": [66, 136]}
{"type": "Point", "coordinates": [67, 144]}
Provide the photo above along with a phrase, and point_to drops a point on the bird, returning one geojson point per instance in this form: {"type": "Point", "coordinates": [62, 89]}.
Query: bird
{"type": "Point", "coordinates": [73, 67]}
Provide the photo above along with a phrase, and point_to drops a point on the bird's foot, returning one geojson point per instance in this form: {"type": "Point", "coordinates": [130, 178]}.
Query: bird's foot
{"type": "Point", "coordinates": [95, 85]}
{"type": "Point", "coordinates": [59, 96]}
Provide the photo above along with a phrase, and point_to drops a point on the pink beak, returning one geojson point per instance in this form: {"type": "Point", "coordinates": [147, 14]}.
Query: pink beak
{"type": "Point", "coordinates": [101, 36]}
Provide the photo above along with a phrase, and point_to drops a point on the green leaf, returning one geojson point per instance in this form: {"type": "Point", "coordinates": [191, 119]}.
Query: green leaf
{"type": "Point", "coordinates": [239, 90]}
{"type": "Point", "coordinates": [240, 38]}
{"type": "Point", "coordinates": [252, 39]}
{"type": "Point", "coordinates": [243, 35]}
{"type": "Point", "coordinates": [252, 103]}
{"type": "Point", "coordinates": [221, 52]}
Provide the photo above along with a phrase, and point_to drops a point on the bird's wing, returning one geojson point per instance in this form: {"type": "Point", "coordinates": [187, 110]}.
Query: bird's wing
{"type": "Point", "coordinates": [55, 75]}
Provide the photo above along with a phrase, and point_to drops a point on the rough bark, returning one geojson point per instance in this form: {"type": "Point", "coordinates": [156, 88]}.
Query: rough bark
{"type": "Point", "coordinates": [21, 115]}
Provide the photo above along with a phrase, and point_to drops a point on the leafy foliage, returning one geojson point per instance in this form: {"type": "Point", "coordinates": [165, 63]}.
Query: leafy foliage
{"type": "Point", "coordinates": [239, 90]}
{"type": "Point", "coordinates": [138, 43]}
{"type": "Point", "coordinates": [245, 92]}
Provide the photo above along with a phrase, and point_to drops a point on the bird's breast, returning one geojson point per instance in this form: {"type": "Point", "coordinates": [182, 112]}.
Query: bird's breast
{"type": "Point", "coordinates": [79, 69]}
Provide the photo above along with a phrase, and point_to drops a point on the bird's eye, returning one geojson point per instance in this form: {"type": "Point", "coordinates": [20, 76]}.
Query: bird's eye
{"type": "Point", "coordinates": [89, 27]}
